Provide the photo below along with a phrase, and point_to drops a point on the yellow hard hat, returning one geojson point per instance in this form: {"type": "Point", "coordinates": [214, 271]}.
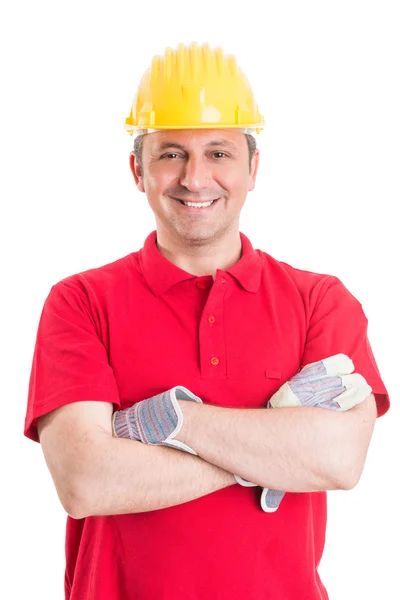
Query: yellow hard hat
{"type": "Point", "coordinates": [194, 87]}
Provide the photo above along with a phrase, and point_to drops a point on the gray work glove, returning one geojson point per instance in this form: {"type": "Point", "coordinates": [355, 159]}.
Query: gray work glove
{"type": "Point", "coordinates": [327, 384]}
{"type": "Point", "coordinates": [156, 420]}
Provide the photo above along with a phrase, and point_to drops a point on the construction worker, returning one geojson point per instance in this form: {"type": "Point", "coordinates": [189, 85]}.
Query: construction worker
{"type": "Point", "coordinates": [158, 380]}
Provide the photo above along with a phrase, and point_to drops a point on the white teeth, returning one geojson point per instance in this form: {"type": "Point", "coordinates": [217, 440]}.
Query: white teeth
{"type": "Point", "coordinates": [198, 204]}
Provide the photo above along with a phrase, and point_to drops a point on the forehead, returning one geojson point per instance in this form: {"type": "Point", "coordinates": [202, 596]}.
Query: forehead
{"type": "Point", "coordinates": [191, 138]}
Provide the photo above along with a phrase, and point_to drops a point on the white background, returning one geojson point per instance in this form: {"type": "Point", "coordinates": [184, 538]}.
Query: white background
{"type": "Point", "coordinates": [326, 77]}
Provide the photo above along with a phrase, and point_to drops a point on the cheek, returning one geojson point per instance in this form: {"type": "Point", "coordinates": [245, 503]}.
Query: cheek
{"type": "Point", "coordinates": [233, 179]}
{"type": "Point", "coordinates": [156, 181]}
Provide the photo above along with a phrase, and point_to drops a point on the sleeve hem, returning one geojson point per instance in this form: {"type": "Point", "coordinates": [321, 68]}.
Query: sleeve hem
{"type": "Point", "coordinates": [98, 394]}
{"type": "Point", "coordinates": [382, 403]}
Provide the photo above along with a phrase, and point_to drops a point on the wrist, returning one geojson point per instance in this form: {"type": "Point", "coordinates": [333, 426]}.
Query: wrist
{"type": "Point", "coordinates": [187, 412]}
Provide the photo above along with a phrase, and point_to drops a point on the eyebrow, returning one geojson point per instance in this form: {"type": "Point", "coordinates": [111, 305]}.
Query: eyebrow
{"type": "Point", "coordinates": [222, 142]}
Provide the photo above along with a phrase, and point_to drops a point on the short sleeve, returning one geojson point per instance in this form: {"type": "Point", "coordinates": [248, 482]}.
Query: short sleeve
{"type": "Point", "coordinates": [338, 325]}
{"type": "Point", "coordinates": [70, 362]}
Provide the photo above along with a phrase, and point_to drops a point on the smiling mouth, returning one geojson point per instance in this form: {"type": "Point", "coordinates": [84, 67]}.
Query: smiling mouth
{"type": "Point", "coordinates": [183, 202]}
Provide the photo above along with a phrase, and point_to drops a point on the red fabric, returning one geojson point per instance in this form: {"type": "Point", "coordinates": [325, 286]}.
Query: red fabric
{"type": "Point", "coordinates": [141, 325]}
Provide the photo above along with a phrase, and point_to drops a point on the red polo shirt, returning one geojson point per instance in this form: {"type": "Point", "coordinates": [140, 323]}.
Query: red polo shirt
{"type": "Point", "coordinates": [141, 325]}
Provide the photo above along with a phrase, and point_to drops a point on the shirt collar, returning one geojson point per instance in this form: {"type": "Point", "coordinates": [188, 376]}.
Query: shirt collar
{"type": "Point", "coordinates": [161, 274]}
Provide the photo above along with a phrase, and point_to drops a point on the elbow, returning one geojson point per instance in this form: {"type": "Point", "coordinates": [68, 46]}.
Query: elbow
{"type": "Point", "coordinates": [76, 510]}
{"type": "Point", "coordinates": [349, 475]}
{"type": "Point", "coordinates": [74, 506]}
{"type": "Point", "coordinates": [348, 481]}
{"type": "Point", "coordinates": [74, 500]}
{"type": "Point", "coordinates": [349, 462]}
{"type": "Point", "coordinates": [79, 487]}
{"type": "Point", "coordinates": [341, 470]}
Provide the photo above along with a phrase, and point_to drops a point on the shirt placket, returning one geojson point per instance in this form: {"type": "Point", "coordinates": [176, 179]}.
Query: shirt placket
{"type": "Point", "coordinates": [212, 346]}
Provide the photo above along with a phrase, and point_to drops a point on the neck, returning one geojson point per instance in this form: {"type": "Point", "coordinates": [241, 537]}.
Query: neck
{"type": "Point", "coordinates": [201, 258]}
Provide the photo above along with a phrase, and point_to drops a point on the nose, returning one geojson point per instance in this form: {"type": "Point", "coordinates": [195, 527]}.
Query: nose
{"type": "Point", "coordinates": [196, 174]}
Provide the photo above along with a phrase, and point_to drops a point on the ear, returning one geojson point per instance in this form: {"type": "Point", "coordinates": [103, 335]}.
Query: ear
{"type": "Point", "coordinates": [136, 172]}
{"type": "Point", "coordinates": [254, 169]}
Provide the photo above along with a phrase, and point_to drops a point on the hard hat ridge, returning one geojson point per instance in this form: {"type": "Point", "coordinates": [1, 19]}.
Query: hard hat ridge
{"type": "Point", "coordinates": [194, 87]}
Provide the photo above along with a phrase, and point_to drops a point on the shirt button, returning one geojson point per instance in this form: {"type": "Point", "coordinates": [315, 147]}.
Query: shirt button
{"type": "Point", "coordinates": [211, 319]}
{"type": "Point", "coordinates": [214, 361]}
{"type": "Point", "coordinates": [223, 280]}
{"type": "Point", "coordinates": [201, 284]}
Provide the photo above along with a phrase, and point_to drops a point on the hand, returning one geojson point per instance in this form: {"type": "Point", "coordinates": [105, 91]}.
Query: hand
{"type": "Point", "coordinates": [323, 383]}
{"type": "Point", "coordinates": [156, 420]}
{"type": "Point", "coordinates": [326, 384]}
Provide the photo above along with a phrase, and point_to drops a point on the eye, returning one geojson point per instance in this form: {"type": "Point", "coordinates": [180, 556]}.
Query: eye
{"type": "Point", "coordinates": [221, 154]}
{"type": "Point", "coordinates": [170, 155]}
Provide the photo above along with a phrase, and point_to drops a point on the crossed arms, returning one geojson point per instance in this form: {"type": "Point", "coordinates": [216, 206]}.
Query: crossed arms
{"type": "Point", "coordinates": [300, 449]}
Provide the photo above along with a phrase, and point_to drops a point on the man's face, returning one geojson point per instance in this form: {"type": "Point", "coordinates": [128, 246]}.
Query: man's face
{"type": "Point", "coordinates": [196, 166]}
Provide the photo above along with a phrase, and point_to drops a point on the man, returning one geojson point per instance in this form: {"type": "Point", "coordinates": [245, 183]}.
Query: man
{"type": "Point", "coordinates": [153, 376]}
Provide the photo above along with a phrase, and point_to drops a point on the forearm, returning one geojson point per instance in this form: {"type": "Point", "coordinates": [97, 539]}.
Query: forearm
{"type": "Point", "coordinates": [300, 449]}
{"type": "Point", "coordinates": [122, 476]}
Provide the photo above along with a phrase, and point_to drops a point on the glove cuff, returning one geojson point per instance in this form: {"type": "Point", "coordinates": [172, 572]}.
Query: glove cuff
{"type": "Point", "coordinates": [179, 392]}
{"type": "Point", "coordinates": [244, 482]}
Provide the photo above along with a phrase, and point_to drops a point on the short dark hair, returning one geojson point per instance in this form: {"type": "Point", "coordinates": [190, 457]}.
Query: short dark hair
{"type": "Point", "coordinates": [138, 147]}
